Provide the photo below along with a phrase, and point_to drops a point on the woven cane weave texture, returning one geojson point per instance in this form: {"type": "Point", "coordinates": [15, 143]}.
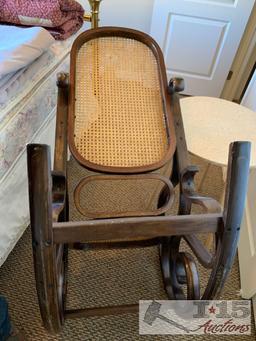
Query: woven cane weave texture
{"type": "Point", "coordinates": [119, 117]}
{"type": "Point", "coordinates": [117, 202]}
{"type": "Point", "coordinates": [102, 278]}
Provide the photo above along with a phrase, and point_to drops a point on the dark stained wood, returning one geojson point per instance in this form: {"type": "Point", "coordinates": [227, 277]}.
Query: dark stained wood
{"type": "Point", "coordinates": [169, 253]}
{"type": "Point", "coordinates": [52, 231]}
{"type": "Point", "coordinates": [134, 228]}
{"type": "Point", "coordinates": [147, 40]}
{"type": "Point", "coordinates": [102, 311]}
{"type": "Point", "coordinates": [181, 153]}
{"type": "Point", "coordinates": [179, 269]}
{"type": "Point", "coordinates": [184, 175]}
{"type": "Point", "coordinates": [186, 267]}
{"type": "Point", "coordinates": [236, 188]}
{"type": "Point", "coordinates": [116, 245]}
{"type": "Point", "coordinates": [44, 253]}
{"type": "Point", "coordinates": [165, 261]}
{"type": "Point", "coordinates": [60, 154]}
{"type": "Point", "coordinates": [176, 85]}
{"type": "Point", "coordinates": [209, 205]}
{"type": "Point", "coordinates": [204, 257]}
{"type": "Point", "coordinates": [59, 185]}
{"type": "Point", "coordinates": [166, 205]}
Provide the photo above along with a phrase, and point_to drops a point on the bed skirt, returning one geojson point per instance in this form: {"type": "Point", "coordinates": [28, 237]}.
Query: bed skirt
{"type": "Point", "coordinates": [14, 208]}
{"type": "Point", "coordinates": [33, 122]}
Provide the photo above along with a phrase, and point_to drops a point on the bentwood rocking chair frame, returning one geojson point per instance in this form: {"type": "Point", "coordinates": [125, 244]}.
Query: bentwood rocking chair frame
{"type": "Point", "coordinates": [53, 233]}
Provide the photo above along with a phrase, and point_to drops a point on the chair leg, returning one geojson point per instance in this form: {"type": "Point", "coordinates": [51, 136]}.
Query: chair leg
{"type": "Point", "coordinates": [236, 188]}
{"type": "Point", "coordinates": [220, 262]}
{"type": "Point", "coordinates": [178, 269]}
{"type": "Point", "coordinates": [174, 262]}
{"type": "Point", "coordinates": [49, 259]}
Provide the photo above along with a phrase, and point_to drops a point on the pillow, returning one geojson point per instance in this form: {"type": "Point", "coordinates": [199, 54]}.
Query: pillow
{"type": "Point", "coordinates": [20, 46]}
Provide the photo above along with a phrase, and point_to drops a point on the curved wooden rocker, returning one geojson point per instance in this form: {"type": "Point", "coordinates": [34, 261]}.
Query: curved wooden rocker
{"type": "Point", "coordinates": [91, 105]}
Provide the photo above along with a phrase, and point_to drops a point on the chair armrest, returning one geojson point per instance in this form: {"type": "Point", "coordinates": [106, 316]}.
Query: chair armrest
{"type": "Point", "coordinates": [60, 150]}
{"type": "Point", "coordinates": [176, 85]}
{"type": "Point", "coordinates": [189, 194]}
{"type": "Point", "coordinates": [210, 205]}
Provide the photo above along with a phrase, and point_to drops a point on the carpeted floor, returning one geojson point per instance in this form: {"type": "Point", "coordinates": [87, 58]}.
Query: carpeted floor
{"type": "Point", "coordinates": [102, 278]}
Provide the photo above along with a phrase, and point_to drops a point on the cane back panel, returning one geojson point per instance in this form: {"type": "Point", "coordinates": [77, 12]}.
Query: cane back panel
{"type": "Point", "coordinates": [119, 118]}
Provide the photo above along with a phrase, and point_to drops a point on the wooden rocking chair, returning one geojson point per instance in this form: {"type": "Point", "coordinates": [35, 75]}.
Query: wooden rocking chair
{"type": "Point", "coordinates": [119, 116]}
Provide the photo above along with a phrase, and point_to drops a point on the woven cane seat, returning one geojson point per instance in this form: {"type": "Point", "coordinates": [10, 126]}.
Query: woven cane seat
{"type": "Point", "coordinates": [119, 115]}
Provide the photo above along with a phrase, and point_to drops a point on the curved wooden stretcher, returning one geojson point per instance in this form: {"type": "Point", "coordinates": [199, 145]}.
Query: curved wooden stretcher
{"type": "Point", "coordinates": [123, 119]}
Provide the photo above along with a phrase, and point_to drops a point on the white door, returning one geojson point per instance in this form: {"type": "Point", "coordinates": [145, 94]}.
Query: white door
{"type": "Point", "coordinates": [199, 39]}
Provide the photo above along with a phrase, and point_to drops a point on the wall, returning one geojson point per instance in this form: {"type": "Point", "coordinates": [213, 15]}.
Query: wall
{"type": "Point", "coordinates": [127, 13]}
{"type": "Point", "coordinates": [247, 243]}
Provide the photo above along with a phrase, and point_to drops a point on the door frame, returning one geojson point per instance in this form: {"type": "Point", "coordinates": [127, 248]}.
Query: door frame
{"type": "Point", "coordinates": [243, 62]}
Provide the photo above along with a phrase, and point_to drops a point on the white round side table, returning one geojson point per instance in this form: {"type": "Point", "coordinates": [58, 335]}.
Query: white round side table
{"type": "Point", "coordinates": [211, 124]}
